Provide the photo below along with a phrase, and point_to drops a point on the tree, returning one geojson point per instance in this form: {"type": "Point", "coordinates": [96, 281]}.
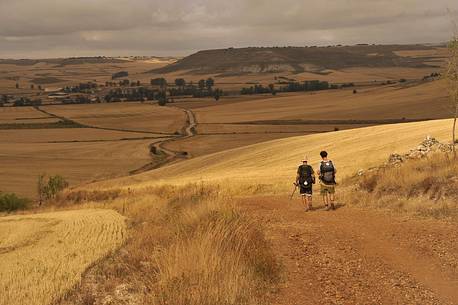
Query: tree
{"type": "Point", "coordinates": [217, 95]}
{"type": "Point", "coordinates": [180, 82]}
{"type": "Point", "coordinates": [452, 81]}
{"type": "Point", "coordinates": [41, 188]}
{"type": "Point", "coordinates": [50, 189]}
{"type": "Point", "coordinates": [32, 86]}
{"type": "Point", "coordinates": [161, 82]}
{"type": "Point", "coordinates": [209, 83]}
{"type": "Point", "coordinates": [201, 84]}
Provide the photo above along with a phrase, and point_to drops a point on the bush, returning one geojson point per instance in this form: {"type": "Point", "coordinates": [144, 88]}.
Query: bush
{"type": "Point", "coordinates": [49, 190]}
{"type": "Point", "coordinates": [11, 202]}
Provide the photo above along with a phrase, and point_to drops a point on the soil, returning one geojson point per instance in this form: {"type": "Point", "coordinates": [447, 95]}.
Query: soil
{"type": "Point", "coordinates": [358, 256]}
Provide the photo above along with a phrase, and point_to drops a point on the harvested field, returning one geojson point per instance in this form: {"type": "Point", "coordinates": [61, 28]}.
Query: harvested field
{"type": "Point", "coordinates": [22, 162]}
{"type": "Point", "coordinates": [419, 102]}
{"type": "Point", "coordinates": [207, 144]}
{"type": "Point", "coordinates": [21, 114]}
{"type": "Point", "coordinates": [42, 256]}
{"type": "Point", "coordinates": [275, 127]}
{"type": "Point", "coordinates": [351, 150]}
{"type": "Point", "coordinates": [64, 135]}
{"type": "Point", "coordinates": [142, 117]}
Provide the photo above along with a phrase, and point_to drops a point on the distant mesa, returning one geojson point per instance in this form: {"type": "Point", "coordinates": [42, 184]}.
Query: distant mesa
{"type": "Point", "coordinates": [295, 59]}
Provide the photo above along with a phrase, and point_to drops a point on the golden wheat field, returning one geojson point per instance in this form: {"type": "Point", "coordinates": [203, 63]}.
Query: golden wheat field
{"type": "Point", "coordinates": [42, 256]}
{"type": "Point", "coordinates": [274, 163]}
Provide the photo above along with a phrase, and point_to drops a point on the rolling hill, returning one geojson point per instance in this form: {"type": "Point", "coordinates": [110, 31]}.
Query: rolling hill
{"type": "Point", "coordinates": [274, 163]}
{"type": "Point", "coordinates": [297, 59]}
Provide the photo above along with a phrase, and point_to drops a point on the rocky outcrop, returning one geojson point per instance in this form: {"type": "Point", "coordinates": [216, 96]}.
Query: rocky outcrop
{"type": "Point", "coordinates": [428, 146]}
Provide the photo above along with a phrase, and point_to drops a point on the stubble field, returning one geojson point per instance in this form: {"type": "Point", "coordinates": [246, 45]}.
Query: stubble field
{"type": "Point", "coordinates": [43, 255]}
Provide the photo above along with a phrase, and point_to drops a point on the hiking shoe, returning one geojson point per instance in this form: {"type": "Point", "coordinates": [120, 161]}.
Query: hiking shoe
{"type": "Point", "coordinates": [330, 207]}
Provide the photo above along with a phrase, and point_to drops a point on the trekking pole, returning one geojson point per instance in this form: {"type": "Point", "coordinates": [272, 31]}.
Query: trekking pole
{"type": "Point", "coordinates": [294, 191]}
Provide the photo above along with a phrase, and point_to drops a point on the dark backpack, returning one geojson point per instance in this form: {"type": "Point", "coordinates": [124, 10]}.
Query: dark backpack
{"type": "Point", "coordinates": [305, 174]}
{"type": "Point", "coordinates": [327, 172]}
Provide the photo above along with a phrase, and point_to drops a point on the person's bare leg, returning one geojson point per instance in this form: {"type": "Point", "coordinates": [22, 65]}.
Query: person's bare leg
{"type": "Point", "coordinates": [332, 200]}
{"type": "Point", "coordinates": [304, 201]}
{"type": "Point", "coordinates": [325, 200]}
{"type": "Point", "coordinates": [309, 202]}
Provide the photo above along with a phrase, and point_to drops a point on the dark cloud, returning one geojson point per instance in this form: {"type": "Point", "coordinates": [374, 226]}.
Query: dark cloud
{"type": "Point", "coordinates": [33, 28]}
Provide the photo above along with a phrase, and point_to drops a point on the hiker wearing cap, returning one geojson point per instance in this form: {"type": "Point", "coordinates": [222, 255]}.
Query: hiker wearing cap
{"type": "Point", "coordinates": [305, 179]}
{"type": "Point", "coordinates": [327, 176]}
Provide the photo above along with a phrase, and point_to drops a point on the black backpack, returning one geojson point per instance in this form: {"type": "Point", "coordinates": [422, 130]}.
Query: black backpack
{"type": "Point", "coordinates": [305, 174]}
{"type": "Point", "coordinates": [327, 172]}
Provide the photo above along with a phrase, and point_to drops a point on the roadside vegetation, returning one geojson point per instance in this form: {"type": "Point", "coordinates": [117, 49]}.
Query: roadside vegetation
{"type": "Point", "coordinates": [427, 186]}
{"type": "Point", "coordinates": [10, 202]}
{"type": "Point", "coordinates": [188, 245]}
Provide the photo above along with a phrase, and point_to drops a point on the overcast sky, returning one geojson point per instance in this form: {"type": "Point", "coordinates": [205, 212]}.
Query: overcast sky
{"type": "Point", "coordinates": [61, 28]}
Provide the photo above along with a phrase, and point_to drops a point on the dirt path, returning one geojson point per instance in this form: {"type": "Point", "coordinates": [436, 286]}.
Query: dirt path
{"type": "Point", "coordinates": [355, 256]}
{"type": "Point", "coordinates": [158, 148]}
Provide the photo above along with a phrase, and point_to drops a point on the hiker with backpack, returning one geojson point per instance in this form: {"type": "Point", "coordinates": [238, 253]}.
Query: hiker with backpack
{"type": "Point", "coordinates": [305, 179]}
{"type": "Point", "coordinates": [327, 176]}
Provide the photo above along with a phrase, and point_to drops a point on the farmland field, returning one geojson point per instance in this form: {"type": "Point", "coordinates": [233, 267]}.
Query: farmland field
{"type": "Point", "coordinates": [46, 254]}
{"type": "Point", "coordinates": [276, 161]}
{"type": "Point", "coordinates": [124, 116]}
{"type": "Point", "coordinates": [77, 162]}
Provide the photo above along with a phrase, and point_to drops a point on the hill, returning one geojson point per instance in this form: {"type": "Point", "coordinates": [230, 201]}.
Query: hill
{"type": "Point", "coordinates": [273, 163]}
{"type": "Point", "coordinates": [298, 59]}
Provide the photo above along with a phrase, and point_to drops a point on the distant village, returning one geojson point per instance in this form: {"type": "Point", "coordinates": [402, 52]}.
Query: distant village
{"type": "Point", "coordinates": [121, 89]}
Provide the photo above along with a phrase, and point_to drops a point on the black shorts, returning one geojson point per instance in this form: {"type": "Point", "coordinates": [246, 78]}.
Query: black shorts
{"type": "Point", "coordinates": [306, 190]}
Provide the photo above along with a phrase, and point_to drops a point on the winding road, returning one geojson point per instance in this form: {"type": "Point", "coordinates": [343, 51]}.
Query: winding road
{"type": "Point", "coordinates": [158, 149]}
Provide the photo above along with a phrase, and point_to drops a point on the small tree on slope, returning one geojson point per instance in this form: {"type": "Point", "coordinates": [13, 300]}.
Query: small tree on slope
{"type": "Point", "coordinates": [452, 78]}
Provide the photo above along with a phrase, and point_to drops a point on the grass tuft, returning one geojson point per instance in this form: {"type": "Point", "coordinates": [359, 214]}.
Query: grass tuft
{"type": "Point", "coordinates": [427, 186]}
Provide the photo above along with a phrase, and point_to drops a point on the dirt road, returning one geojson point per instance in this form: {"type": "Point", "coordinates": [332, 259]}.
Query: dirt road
{"type": "Point", "coordinates": [358, 256]}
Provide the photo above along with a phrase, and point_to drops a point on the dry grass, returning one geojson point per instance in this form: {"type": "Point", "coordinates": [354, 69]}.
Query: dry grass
{"type": "Point", "coordinates": [188, 245]}
{"type": "Point", "coordinates": [42, 256]}
{"type": "Point", "coordinates": [426, 186]}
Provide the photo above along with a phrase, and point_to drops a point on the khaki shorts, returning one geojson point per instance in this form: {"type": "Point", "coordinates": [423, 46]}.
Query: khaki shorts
{"type": "Point", "coordinates": [327, 189]}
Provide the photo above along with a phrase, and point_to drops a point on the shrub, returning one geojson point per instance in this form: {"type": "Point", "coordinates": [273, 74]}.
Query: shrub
{"type": "Point", "coordinates": [50, 189]}
{"type": "Point", "coordinates": [11, 202]}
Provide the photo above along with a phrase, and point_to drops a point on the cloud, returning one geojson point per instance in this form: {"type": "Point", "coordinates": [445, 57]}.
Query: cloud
{"type": "Point", "coordinates": [30, 28]}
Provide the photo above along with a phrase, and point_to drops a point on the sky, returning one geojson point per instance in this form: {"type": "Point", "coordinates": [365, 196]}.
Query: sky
{"type": "Point", "coordinates": [65, 28]}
